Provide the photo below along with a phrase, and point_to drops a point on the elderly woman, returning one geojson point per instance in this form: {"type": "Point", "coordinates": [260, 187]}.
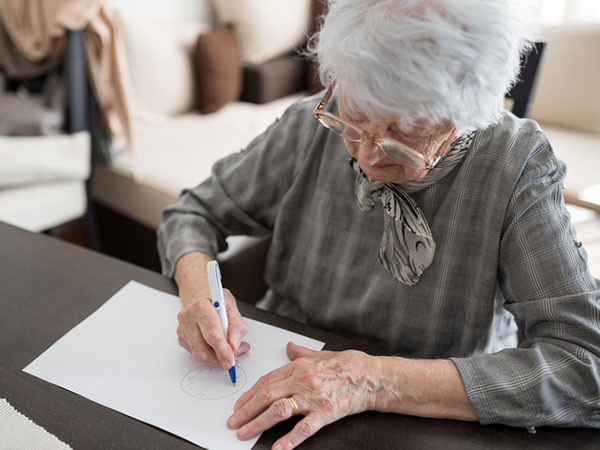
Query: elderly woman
{"type": "Point", "coordinates": [414, 211]}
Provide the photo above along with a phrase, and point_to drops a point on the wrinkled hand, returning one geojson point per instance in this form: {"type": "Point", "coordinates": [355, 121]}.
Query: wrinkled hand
{"type": "Point", "coordinates": [200, 331]}
{"type": "Point", "coordinates": [326, 386]}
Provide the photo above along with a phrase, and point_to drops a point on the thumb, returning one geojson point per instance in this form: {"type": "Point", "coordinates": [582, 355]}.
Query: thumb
{"type": "Point", "coordinates": [297, 351]}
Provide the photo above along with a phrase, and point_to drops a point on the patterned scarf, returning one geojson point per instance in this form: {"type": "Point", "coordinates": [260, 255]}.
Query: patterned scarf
{"type": "Point", "coordinates": [407, 246]}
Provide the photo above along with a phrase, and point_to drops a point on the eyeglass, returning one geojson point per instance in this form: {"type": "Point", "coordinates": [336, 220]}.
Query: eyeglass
{"type": "Point", "coordinates": [390, 147]}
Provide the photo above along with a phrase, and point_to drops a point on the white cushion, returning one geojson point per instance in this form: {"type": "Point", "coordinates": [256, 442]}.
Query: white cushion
{"type": "Point", "coordinates": [265, 28]}
{"type": "Point", "coordinates": [34, 159]}
{"type": "Point", "coordinates": [178, 153]}
{"type": "Point", "coordinates": [567, 93]}
{"type": "Point", "coordinates": [42, 206]}
{"type": "Point", "coordinates": [160, 62]}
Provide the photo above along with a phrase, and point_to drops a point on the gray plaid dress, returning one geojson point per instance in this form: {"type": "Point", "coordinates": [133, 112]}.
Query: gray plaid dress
{"type": "Point", "coordinates": [506, 256]}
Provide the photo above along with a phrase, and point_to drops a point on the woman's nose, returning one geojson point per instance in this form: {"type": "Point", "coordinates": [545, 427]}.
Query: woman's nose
{"type": "Point", "coordinates": [370, 151]}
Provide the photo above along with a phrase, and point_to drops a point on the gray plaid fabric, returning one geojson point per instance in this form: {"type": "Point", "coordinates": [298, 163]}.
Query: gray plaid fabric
{"type": "Point", "coordinates": [506, 252]}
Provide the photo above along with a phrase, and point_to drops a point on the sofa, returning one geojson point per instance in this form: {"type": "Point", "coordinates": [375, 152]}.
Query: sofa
{"type": "Point", "coordinates": [567, 106]}
{"type": "Point", "coordinates": [175, 143]}
{"type": "Point", "coordinates": [45, 153]}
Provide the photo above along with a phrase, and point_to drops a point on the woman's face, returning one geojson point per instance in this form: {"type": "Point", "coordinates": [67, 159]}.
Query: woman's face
{"type": "Point", "coordinates": [377, 164]}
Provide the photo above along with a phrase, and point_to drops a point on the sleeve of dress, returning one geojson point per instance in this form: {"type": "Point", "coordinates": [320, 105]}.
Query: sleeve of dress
{"type": "Point", "coordinates": [553, 377]}
{"type": "Point", "coordinates": [242, 195]}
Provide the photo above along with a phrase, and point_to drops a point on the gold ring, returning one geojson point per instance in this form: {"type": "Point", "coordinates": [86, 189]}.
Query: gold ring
{"type": "Point", "coordinates": [294, 405]}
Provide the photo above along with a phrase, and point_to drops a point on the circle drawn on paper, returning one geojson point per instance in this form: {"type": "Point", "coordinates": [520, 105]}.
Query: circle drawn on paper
{"type": "Point", "coordinates": [212, 383]}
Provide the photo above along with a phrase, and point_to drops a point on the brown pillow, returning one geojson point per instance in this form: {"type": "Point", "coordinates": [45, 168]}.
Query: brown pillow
{"type": "Point", "coordinates": [218, 69]}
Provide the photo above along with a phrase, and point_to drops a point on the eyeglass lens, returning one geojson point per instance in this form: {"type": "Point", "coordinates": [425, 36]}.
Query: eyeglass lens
{"type": "Point", "coordinates": [394, 151]}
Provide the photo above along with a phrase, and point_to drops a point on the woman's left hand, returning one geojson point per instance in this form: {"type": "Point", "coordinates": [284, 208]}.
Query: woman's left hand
{"type": "Point", "coordinates": [325, 386]}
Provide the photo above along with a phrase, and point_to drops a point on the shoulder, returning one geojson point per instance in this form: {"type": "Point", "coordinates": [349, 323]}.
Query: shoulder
{"type": "Point", "coordinates": [513, 148]}
{"type": "Point", "coordinates": [304, 107]}
{"type": "Point", "coordinates": [303, 131]}
{"type": "Point", "coordinates": [297, 125]}
{"type": "Point", "coordinates": [291, 140]}
{"type": "Point", "coordinates": [512, 139]}
{"type": "Point", "coordinates": [509, 159]}
{"type": "Point", "coordinates": [293, 128]}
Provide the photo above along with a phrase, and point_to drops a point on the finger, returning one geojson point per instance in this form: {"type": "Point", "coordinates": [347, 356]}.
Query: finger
{"type": "Point", "coordinates": [214, 336]}
{"type": "Point", "coordinates": [278, 411]}
{"type": "Point", "coordinates": [303, 430]}
{"type": "Point", "coordinates": [181, 338]}
{"type": "Point", "coordinates": [295, 351]}
{"type": "Point", "coordinates": [202, 314]}
{"type": "Point", "coordinates": [196, 346]}
{"type": "Point", "coordinates": [272, 377]}
{"type": "Point", "coordinates": [237, 325]}
{"type": "Point", "coordinates": [200, 350]}
{"type": "Point", "coordinates": [184, 344]}
{"type": "Point", "coordinates": [243, 348]}
{"type": "Point", "coordinates": [264, 398]}
{"type": "Point", "coordinates": [201, 328]}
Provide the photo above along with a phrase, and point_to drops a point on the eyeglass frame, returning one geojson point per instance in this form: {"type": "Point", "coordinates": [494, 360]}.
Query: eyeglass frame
{"type": "Point", "coordinates": [428, 163]}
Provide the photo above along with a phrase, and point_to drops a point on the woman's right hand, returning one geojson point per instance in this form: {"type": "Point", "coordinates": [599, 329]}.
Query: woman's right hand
{"type": "Point", "coordinates": [200, 330]}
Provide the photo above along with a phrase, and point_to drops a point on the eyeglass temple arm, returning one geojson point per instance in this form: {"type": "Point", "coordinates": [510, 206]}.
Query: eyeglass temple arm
{"type": "Point", "coordinates": [326, 97]}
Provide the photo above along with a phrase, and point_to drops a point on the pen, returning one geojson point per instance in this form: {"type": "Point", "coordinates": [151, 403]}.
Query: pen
{"type": "Point", "coordinates": [218, 299]}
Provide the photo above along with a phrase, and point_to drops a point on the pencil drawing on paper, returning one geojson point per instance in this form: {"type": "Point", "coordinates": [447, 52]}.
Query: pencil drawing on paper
{"type": "Point", "coordinates": [211, 383]}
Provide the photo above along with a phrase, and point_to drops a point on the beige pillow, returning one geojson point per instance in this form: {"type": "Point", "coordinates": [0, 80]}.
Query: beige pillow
{"type": "Point", "coordinates": [567, 92]}
{"type": "Point", "coordinates": [160, 58]}
{"type": "Point", "coordinates": [265, 28]}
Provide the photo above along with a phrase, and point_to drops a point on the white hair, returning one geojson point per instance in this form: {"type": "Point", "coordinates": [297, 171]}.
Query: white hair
{"type": "Point", "coordinates": [440, 60]}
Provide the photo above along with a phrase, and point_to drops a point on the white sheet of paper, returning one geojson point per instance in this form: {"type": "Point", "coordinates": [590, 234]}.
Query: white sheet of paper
{"type": "Point", "coordinates": [126, 356]}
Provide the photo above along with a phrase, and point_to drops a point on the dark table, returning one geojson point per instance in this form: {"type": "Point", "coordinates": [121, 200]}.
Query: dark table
{"type": "Point", "coordinates": [48, 286]}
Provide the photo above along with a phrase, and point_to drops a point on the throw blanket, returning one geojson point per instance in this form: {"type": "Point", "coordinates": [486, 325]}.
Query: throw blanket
{"type": "Point", "coordinates": [36, 30]}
